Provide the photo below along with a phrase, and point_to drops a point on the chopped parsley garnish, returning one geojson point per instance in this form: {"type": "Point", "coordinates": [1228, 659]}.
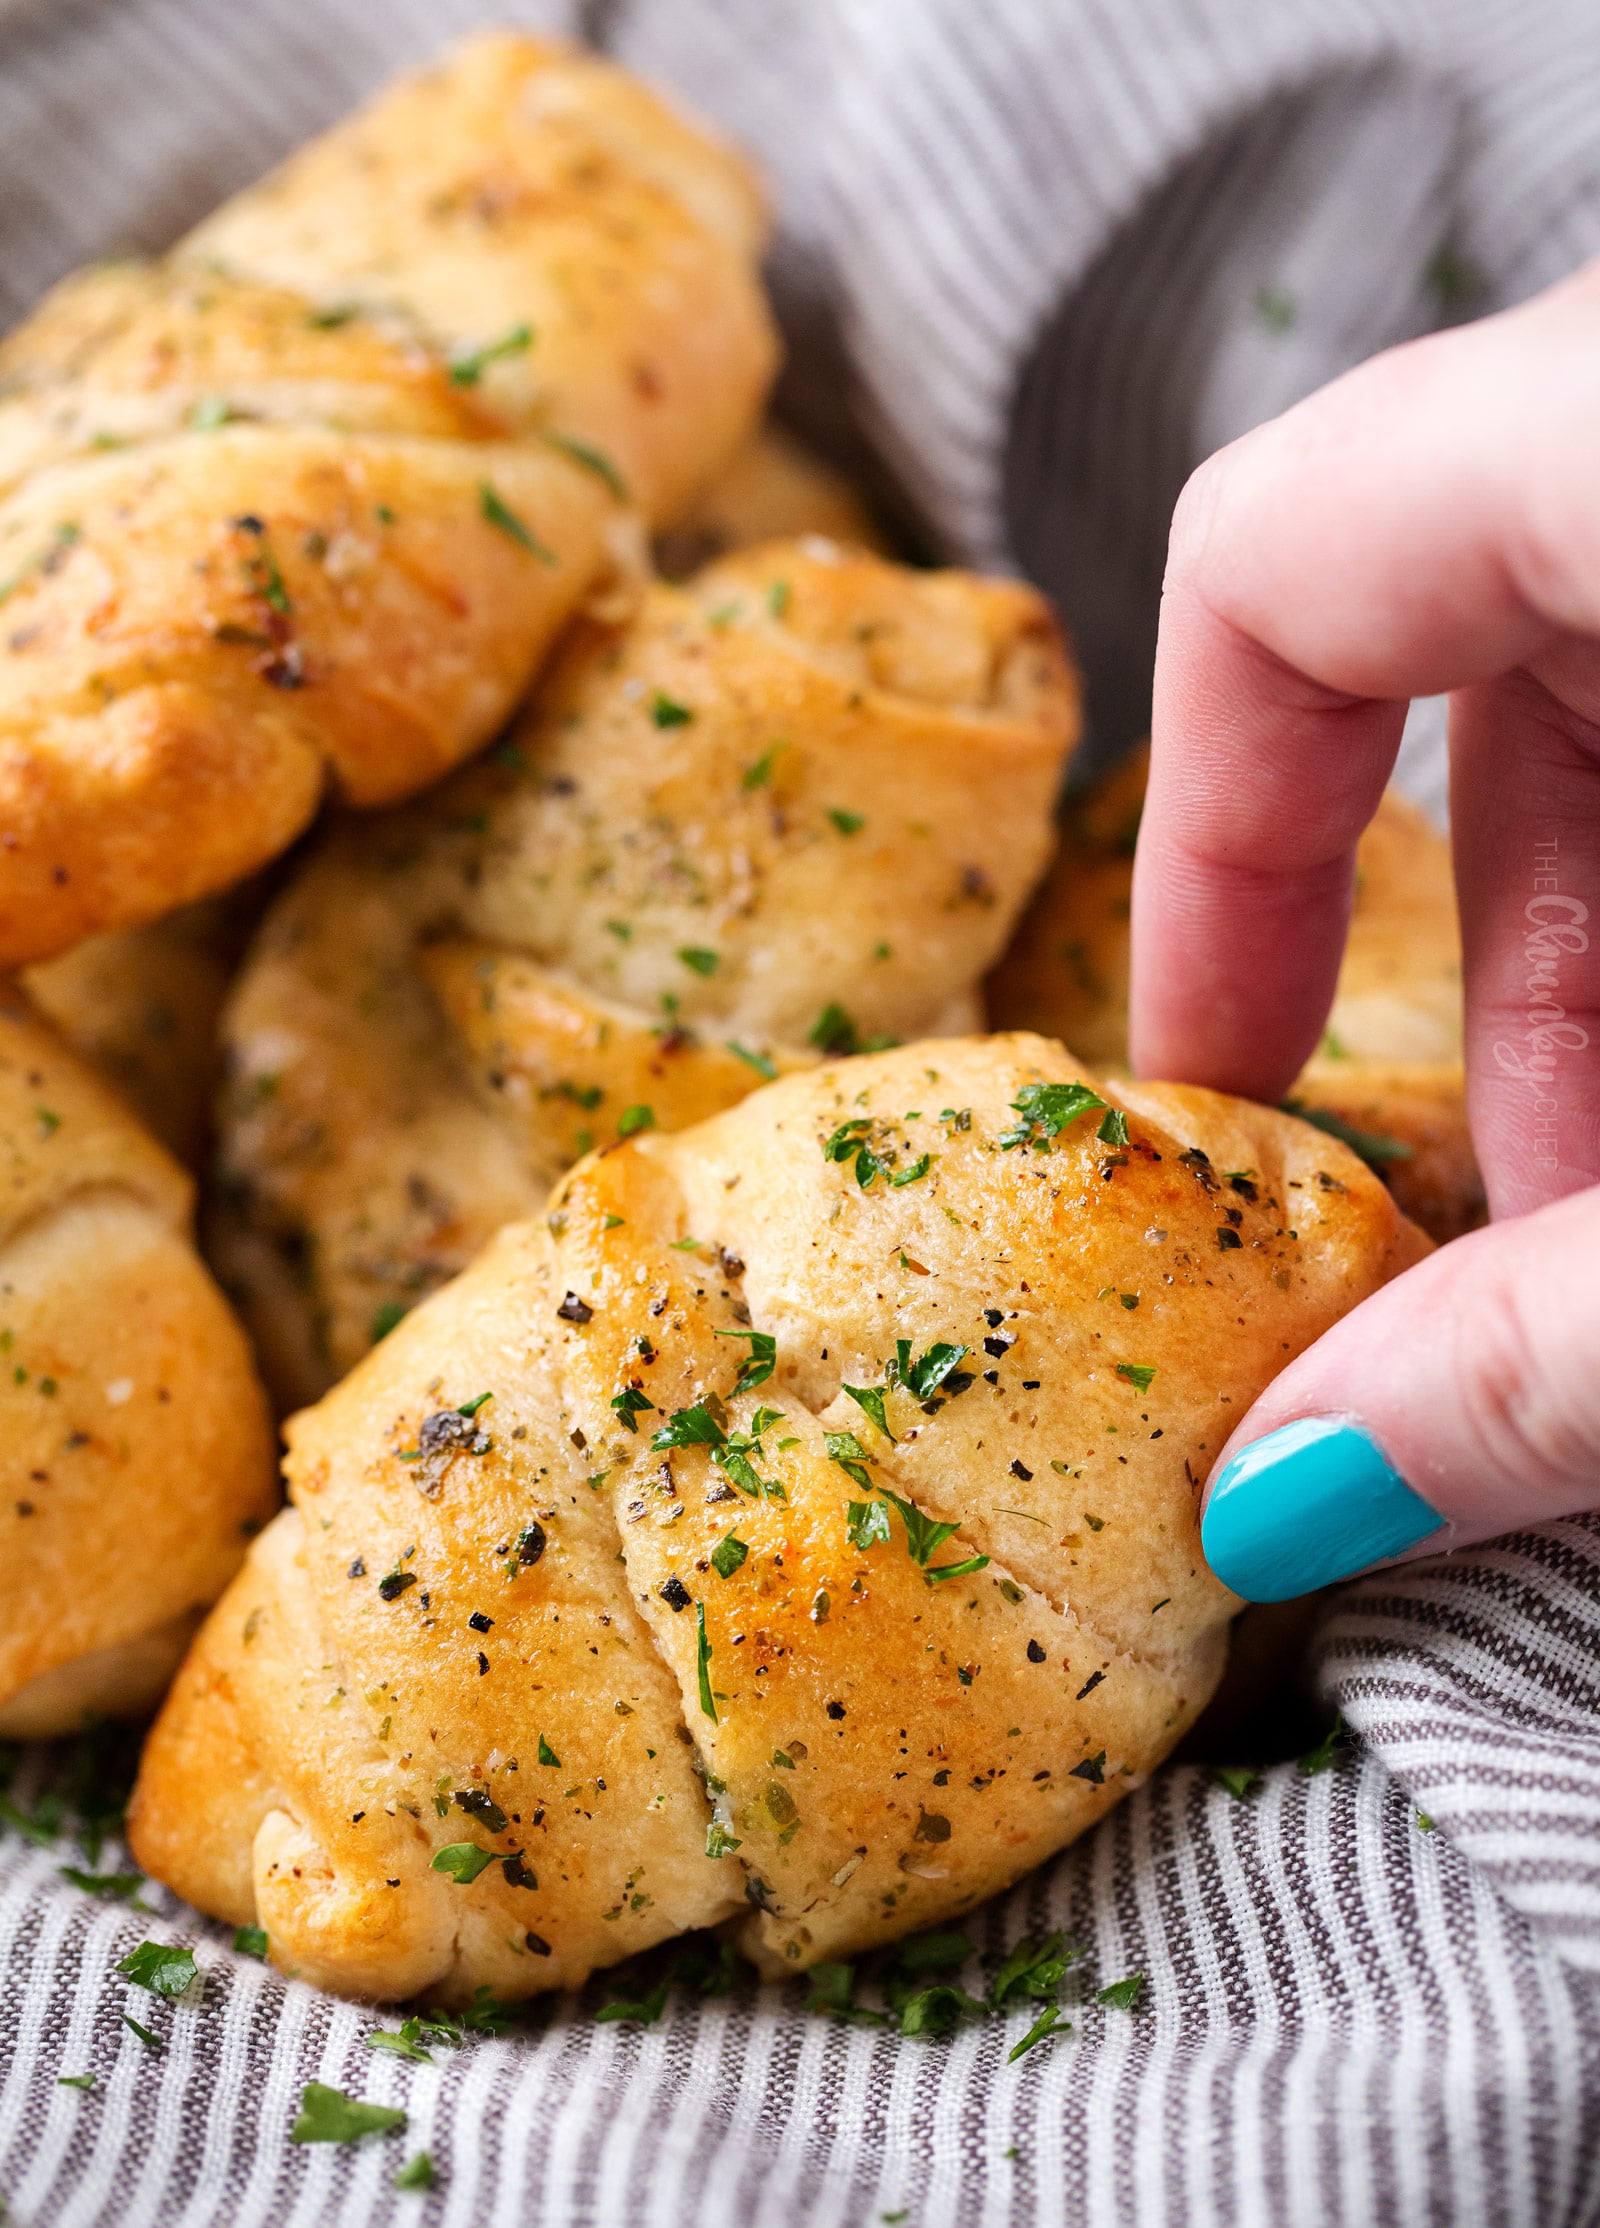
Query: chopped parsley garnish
{"type": "Point", "coordinates": [914, 1174]}
{"type": "Point", "coordinates": [869, 1399]}
{"type": "Point", "coordinates": [690, 1427]}
{"type": "Point", "coordinates": [924, 1538]}
{"type": "Point", "coordinates": [666, 711]}
{"type": "Point", "coordinates": [499, 513]}
{"type": "Point", "coordinates": [1032, 1969]}
{"type": "Point", "coordinates": [763, 1359]}
{"type": "Point", "coordinates": [329, 2116]}
{"type": "Point", "coordinates": [250, 1941]}
{"type": "Point", "coordinates": [719, 1841]}
{"type": "Point", "coordinates": [924, 1376]}
{"type": "Point", "coordinates": [385, 1316]}
{"type": "Point", "coordinates": [394, 1583]}
{"type": "Point", "coordinates": [1092, 1769]}
{"type": "Point", "coordinates": [698, 1427]}
{"type": "Point", "coordinates": [759, 771]}
{"type": "Point", "coordinates": [471, 1407]}
{"type": "Point", "coordinates": [417, 2173]}
{"type": "Point", "coordinates": [1049, 2022]}
{"type": "Point", "coordinates": [938, 2010]}
{"type": "Point", "coordinates": [846, 1449]}
{"type": "Point", "coordinates": [1371, 1145]}
{"type": "Point", "coordinates": [75, 2081]}
{"type": "Point", "coordinates": [702, 1656]}
{"type": "Point", "coordinates": [466, 370]}
{"type": "Point", "coordinates": [462, 1861]}
{"type": "Point", "coordinates": [593, 460]}
{"type": "Point", "coordinates": [833, 1990]}
{"type": "Point", "coordinates": [1325, 1755]}
{"type": "Point", "coordinates": [1044, 1110]}
{"type": "Point", "coordinates": [1139, 1374]}
{"type": "Point", "coordinates": [547, 1754]}
{"type": "Point", "coordinates": [628, 1404]}
{"type": "Point", "coordinates": [1122, 1995]}
{"type": "Point", "coordinates": [729, 1555]}
{"type": "Point", "coordinates": [778, 598]}
{"type": "Point", "coordinates": [847, 823]}
{"type": "Point", "coordinates": [405, 2043]}
{"type": "Point", "coordinates": [645, 2011]}
{"type": "Point", "coordinates": [1113, 1129]}
{"type": "Point", "coordinates": [835, 1032]}
{"type": "Point", "coordinates": [700, 959]}
{"type": "Point", "coordinates": [632, 1119]}
{"type": "Point", "coordinates": [1275, 308]}
{"type": "Point", "coordinates": [867, 1523]}
{"type": "Point", "coordinates": [150, 2041]}
{"type": "Point", "coordinates": [119, 1887]}
{"type": "Point", "coordinates": [848, 1143]}
{"type": "Point", "coordinates": [160, 1968]}
{"type": "Point", "coordinates": [1238, 1780]}
{"type": "Point", "coordinates": [766, 1068]}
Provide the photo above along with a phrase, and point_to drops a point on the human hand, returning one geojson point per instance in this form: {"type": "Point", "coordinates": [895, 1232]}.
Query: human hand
{"type": "Point", "coordinates": [1429, 522]}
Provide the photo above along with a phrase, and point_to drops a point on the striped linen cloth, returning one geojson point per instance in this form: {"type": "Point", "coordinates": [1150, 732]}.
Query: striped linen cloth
{"type": "Point", "coordinates": [1036, 258]}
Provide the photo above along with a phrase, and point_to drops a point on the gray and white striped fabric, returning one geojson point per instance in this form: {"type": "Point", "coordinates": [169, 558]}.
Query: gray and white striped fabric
{"type": "Point", "coordinates": [1036, 258]}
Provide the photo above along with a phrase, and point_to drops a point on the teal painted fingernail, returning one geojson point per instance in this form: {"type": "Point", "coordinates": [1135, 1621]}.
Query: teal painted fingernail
{"type": "Point", "coordinates": [1307, 1505]}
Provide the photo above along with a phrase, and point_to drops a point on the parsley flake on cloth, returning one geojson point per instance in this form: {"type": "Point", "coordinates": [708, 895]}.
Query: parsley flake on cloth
{"type": "Point", "coordinates": [159, 1967]}
{"type": "Point", "coordinates": [329, 2116]}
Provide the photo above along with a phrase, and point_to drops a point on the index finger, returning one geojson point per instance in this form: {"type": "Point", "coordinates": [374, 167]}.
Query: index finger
{"type": "Point", "coordinates": [1420, 525]}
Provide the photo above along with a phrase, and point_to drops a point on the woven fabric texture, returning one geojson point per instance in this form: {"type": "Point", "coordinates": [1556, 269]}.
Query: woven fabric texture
{"type": "Point", "coordinates": [1035, 259]}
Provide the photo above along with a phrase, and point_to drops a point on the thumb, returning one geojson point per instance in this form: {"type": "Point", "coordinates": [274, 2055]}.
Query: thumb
{"type": "Point", "coordinates": [1461, 1401]}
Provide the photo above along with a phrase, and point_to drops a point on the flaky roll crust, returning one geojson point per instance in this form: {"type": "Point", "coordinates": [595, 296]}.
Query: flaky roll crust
{"type": "Point", "coordinates": [795, 803]}
{"type": "Point", "coordinates": [1389, 1070]}
{"type": "Point", "coordinates": [135, 1449]}
{"type": "Point", "coordinates": [605, 1610]}
{"type": "Point", "coordinates": [309, 503]}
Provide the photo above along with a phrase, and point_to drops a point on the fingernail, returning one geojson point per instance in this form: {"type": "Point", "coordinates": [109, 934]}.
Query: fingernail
{"type": "Point", "coordinates": [1309, 1504]}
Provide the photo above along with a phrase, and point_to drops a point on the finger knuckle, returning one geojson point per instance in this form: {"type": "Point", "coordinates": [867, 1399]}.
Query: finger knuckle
{"type": "Point", "coordinates": [1534, 1418]}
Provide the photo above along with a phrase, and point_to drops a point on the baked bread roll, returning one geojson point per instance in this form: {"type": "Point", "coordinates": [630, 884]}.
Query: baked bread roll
{"type": "Point", "coordinates": [1388, 1077]}
{"type": "Point", "coordinates": [136, 1455]}
{"type": "Point", "coordinates": [143, 1006]}
{"type": "Point", "coordinates": [775, 489]}
{"type": "Point", "coordinates": [307, 504]}
{"type": "Point", "coordinates": [793, 805]}
{"type": "Point", "coordinates": [798, 1528]}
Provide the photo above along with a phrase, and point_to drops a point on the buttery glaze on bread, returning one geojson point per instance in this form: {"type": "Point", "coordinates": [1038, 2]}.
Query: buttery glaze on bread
{"type": "Point", "coordinates": [310, 502]}
{"type": "Point", "coordinates": [797, 802]}
{"type": "Point", "coordinates": [135, 1449]}
{"type": "Point", "coordinates": [1390, 1067]}
{"type": "Point", "coordinates": [588, 1625]}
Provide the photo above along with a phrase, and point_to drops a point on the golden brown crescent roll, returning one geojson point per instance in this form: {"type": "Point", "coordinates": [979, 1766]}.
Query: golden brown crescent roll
{"type": "Point", "coordinates": [801, 1524]}
{"type": "Point", "coordinates": [135, 1451]}
{"type": "Point", "coordinates": [143, 1006]}
{"type": "Point", "coordinates": [1388, 1077]}
{"type": "Point", "coordinates": [309, 502]}
{"type": "Point", "coordinates": [792, 806]}
{"type": "Point", "coordinates": [775, 489]}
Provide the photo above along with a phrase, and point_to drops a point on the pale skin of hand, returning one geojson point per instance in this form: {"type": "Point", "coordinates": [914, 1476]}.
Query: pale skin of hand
{"type": "Point", "coordinates": [1428, 523]}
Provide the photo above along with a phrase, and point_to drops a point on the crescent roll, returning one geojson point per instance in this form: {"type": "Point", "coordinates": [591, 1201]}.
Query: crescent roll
{"type": "Point", "coordinates": [1388, 1077]}
{"type": "Point", "coordinates": [791, 807]}
{"type": "Point", "coordinates": [136, 1454]}
{"type": "Point", "coordinates": [307, 504]}
{"type": "Point", "coordinates": [797, 1528]}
